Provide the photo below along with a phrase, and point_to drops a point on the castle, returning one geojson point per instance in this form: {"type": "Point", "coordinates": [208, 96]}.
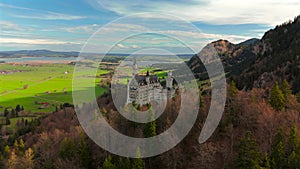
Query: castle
{"type": "Point", "coordinates": [146, 88]}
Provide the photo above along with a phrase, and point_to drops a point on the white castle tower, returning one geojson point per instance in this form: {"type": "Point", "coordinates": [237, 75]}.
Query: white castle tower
{"type": "Point", "coordinates": [134, 68]}
{"type": "Point", "coordinates": [169, 81]}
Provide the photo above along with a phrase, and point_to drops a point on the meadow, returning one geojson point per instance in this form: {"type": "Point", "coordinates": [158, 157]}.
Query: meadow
{"type": "Point", "coordinates": [31, 85]}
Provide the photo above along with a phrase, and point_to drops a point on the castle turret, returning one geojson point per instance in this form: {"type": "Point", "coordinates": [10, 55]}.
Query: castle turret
{"type": "Point", "coordinates": [134, 68]}
{"type": "Point", "coordinates": [169, 81]}
{"type": "Point", "coordinates": [148, 77]}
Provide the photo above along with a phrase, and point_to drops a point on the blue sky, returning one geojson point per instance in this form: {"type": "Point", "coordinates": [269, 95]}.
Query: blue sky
{"type": "Point", "coordinates": [66, 25]}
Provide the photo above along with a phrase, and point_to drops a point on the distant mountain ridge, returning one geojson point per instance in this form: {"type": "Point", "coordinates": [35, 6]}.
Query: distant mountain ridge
{"type": "Point", "coordinates": [36, 53]}
{"type": "Point", "coordinates": [49, 53]}
{"type": "Point", "coordinates": [260, 62]}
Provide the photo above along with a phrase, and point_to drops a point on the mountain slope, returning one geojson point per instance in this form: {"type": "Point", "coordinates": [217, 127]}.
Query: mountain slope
{"type": "Point", "coordinates": [235, 57]}
{"type": "Point", "coordinates": [278, 55]}
{"type": "Point", "coordinates": [260, 63]}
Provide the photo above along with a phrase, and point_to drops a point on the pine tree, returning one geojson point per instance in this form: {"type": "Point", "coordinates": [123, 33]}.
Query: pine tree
{"type": "Point", "coordinates": [277, 100]}
{"type": "Point", "coordinates": [13, 113]}
{"type": "Point", "coordinates": [108, 163]}
{"type": "Point", "coordinates": [138, 107]}
{"type": "Point", "coordinates": [293, 163]}
{"type": "Point", "coordinates": [18, 108]}
{"type": "Point", "coordinates": [298, 97]}
{"type": "Point", "coordinates": [21, 147]}
{"type": "Point", "coordinates": [292, 140]}
{"type": "Point", "coordinates": [84, 152]}
{"type": "Point", "coordinates": [248, 153]}
{"type": "Point", "coordinates": [201, 100]}
{"type": "Point", "coordinates": [278, 154]}
{"type": "Point", "coordinates": [138, 161]}
{"type": "Point", "coordinates": [6, 112]}
{"type": "Point", "coordinates": [233, 89]}
{"type": "Point", "coordinates": [298, 152]}
{"type": "Point", "coordinates": [225, 166]}
{"type": "Point", "coordinates": [266, 162]}
{"type": "Point", "coordinates": [103, 112]}
{"type": "Point", "coordinates": [286, 89]}
{"type": "Point", "coordinates": [6, 150]}
{"type": "Point", "coordinates": [67, 149]}
{"type": "Point", "coordinates": [7, 121]}
{"type": "Point", "coordinates": [124, 164]}
{"type": "Point", "coordinates": [150, 128]}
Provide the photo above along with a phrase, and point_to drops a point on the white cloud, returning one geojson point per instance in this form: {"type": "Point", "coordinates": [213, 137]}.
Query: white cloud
{"type": "Point", "coordinates": [13, 6]}
{"type": "Point", "coordinates": [82, 29]}
{"type": "Point", "coordinates": [270, 12]}
{"type": "Point", "coordinates": [33, 41]}
{"type": "Point", "coordinates": [198, 36]}
{"type": "Point", "coordinates": [6, 25]}
{"type": "Point", "coordinates": [121, 46]}
{"type": "Point", "coordinates": [113, 28]}
{"type": "Point", "coordinates": [29, 13]}
{"type": "Point", "coordinates": [122, 27]}
{"type": "Point", "coordinates": [134, 46]}
{"type": "Point", "coordinates": [50, 16]}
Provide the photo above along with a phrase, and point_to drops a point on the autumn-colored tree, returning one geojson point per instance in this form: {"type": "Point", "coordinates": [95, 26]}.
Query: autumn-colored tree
{"type": "Point", "coordinates": [28, 160]}
{"type": "Point", "coordinates": [277, 99]}
{"type": "Point", "coordinates": [12, 162]}
{"type": "Point", "coordinates": [248, 153]}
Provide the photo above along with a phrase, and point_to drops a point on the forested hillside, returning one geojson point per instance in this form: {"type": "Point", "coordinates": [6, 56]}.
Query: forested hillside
{"type": "Point", "coordinates": [260, 63]}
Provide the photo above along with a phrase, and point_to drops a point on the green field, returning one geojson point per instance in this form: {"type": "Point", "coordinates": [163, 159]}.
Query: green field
{"type": "Point", "coordinates": [26, 85]}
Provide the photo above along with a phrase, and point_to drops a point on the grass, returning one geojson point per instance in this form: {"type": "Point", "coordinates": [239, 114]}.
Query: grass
{"type": "Point", "coordinates": [46, 83]}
